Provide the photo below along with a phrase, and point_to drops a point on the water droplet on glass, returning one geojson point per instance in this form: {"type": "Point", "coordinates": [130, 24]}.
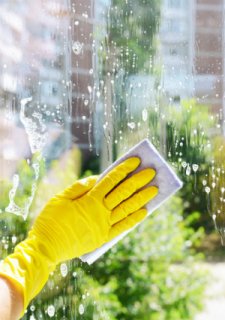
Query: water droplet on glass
{"type": "Point", "coordinates": [207, 190]}
{"type": "Point", "coordinates": [195, 167]}
{"type": "Point", "coordinates": [77, 47]}
{"type": "Point", "coordinates": [74, 274]}
{"type": "Point", "coordinates": [184, 164]}
{"type": "Point", "coordinates": [85, 15]}
{"type": "Point", "coordinates": [204, 182]}
{"type": "Point", "coordinates": [81, 309]}
{"type": "Point", "coordinates": [145, 115]}
{"type": "Point", "coordinates": [64, 269]}
{"type": "Point", "coordinates": [51, 311]}
{"type": "Point", "coordinates": [86, 102]}
{"type": "Point", "coordinates": [213, 185]}
{"type": "Point", "coordinates": [76, 23]}
{"type": "Point", "coordinates": [131, 125]}
{"type": "Point", "coordinates": [14, 239]}
{"type": "Point", "coordinates": [32, 308]}
{"type": "Point", "coordinates": [188, 170]}
{"type": "Point", "coordinates": [221, 231]}
{"type": "Point", "coordinates": [89, 89]}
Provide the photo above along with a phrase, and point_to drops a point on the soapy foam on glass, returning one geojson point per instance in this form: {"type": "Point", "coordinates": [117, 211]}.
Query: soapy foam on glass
{"type": "Point", "coordinates": [165, 179]}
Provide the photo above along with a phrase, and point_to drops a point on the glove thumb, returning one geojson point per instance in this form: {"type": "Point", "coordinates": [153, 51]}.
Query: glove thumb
{"type": "Point", "coordinates": [79, 188]}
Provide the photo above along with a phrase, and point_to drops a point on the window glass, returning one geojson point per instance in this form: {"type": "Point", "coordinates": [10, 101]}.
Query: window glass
{"type": "Point", "coordinates": [174, 3]}
{"type": "Point", "coordinates": [174, 26]}
{"type": "Point", "coordinates": [176, 50]}
{"type": "Point", "coordinates": [81, 82]}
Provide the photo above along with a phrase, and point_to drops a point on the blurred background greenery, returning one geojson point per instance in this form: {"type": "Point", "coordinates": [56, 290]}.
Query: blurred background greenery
{"type": "Point", "coordinates": [154, 273]}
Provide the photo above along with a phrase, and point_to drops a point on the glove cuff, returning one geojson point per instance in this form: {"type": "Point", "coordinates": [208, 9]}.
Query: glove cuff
{"type": "Point", "coordinates": [27, 269]}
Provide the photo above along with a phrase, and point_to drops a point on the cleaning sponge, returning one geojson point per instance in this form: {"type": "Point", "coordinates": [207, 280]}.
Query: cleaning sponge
{"type": "Point", "coordinates": [165, 179]}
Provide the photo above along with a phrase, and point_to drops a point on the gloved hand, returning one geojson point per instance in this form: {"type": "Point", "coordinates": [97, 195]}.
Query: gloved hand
{"type": "Point", "coordinates": [77, 221]}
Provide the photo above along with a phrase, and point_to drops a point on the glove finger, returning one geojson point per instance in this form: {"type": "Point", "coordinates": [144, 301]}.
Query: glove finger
{"type": "Point", "coordinates": [127, 223]}
{"type": "Point", "coordinates": [79, 188]}
{"type": "Point", "coordinates": [134, 203]}
{"type": "Point", "coordinates": [116, 175]}
{"type": "Point", "coordinates": [129, 187]}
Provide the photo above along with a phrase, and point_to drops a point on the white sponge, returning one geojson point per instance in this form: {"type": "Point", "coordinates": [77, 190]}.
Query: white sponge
{"type": "Point", "coordinates": [165, 179]}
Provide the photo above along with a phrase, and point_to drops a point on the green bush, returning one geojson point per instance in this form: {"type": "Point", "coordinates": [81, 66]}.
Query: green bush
{"type": "Point", "coordinates": [151, 274]}
{"type": "Point", "coordinates": [183, 135]}
{"type": "Point", "coordinates": [155, 268]}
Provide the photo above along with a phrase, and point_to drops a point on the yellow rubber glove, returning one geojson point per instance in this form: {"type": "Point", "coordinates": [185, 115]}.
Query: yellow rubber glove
{"type": "Point", "coordinates": [77, 221]}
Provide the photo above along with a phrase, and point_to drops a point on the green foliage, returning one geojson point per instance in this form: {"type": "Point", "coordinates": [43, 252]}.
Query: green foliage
{"type": "Point", "coordinates": [154, 268]}
{"type": "Point", "coordinates": [217, 183]}
{"type": "Point", "coordinates": [13, 229]}
{"type": "Point", "coordinates": [61, 174]}
{"type": "Point", "coordinates": [74, 292]}
{"type": "Point", "coordinates": [188, 127]}
{"type": "Point", "coordinates": [150, 274]}
{"type": "Point", "coordinates": [131, 26]}
{"type": "Point", "coordinates": [182, 133]}
{"type": "Point", "coordinates": [188, 146]}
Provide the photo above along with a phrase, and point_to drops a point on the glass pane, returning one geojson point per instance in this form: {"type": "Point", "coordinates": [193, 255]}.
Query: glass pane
{"type": "Point", "coordinates": [83, 81]}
